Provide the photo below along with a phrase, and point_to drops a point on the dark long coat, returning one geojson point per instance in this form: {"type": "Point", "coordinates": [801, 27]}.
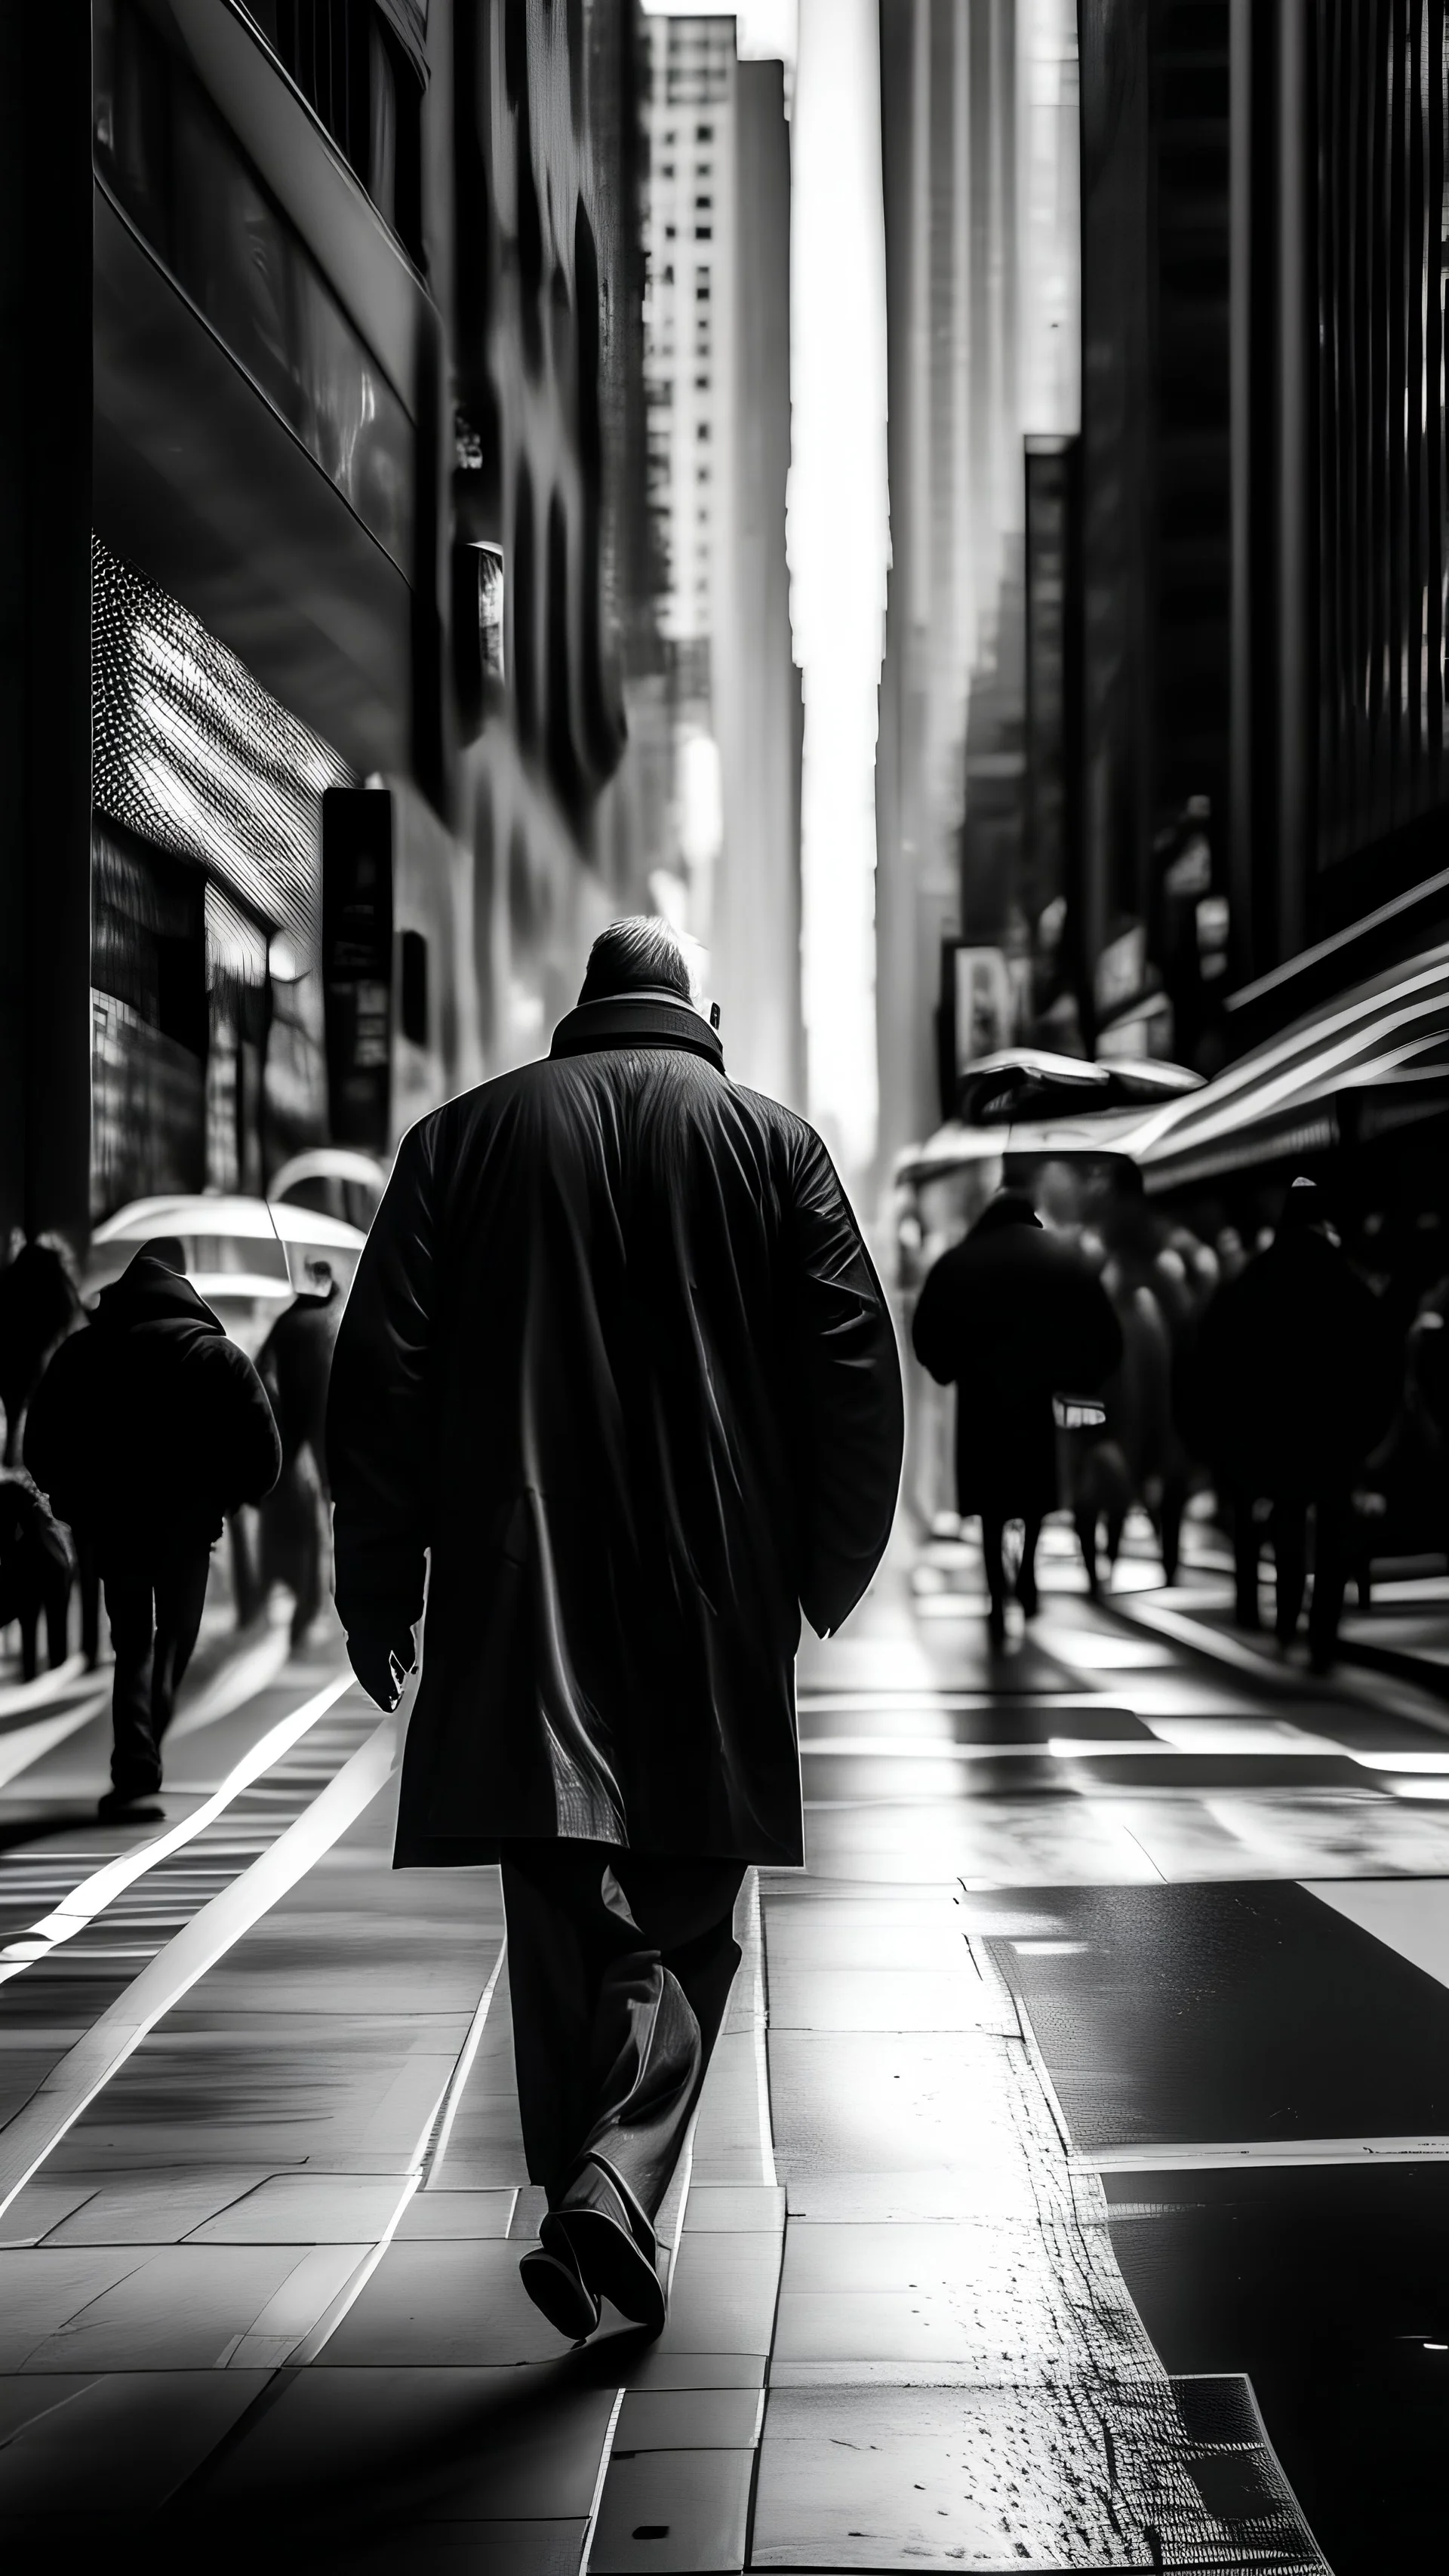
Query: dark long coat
{"type": "Point", "coordinates": [150, 1425]}
{"type": "Point", "coordinates": [1012, 1316]}
{"type": "Point", "coordinates": [295, 1364]}
{"type": "Point", "coordinates": [616, 1367]}
{"type": "Point", "coordinates": [1296, 1372]}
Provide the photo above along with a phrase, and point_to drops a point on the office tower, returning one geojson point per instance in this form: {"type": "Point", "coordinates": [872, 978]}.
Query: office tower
{"type": "Point", "coordinates": [717, 376]}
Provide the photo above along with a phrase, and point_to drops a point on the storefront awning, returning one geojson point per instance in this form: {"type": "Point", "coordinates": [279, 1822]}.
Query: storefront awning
{"type": "Point", "coordinates": [1375, 1060]}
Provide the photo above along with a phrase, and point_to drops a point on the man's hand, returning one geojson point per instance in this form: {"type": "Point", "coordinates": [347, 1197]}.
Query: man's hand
{"type": "Point", "coordinates": [382, 1664]}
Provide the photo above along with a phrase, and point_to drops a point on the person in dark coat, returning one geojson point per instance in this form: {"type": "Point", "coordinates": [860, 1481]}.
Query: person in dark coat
{"type": "Point", "coordinates": [146, 1429]}
{"type": "Point", "coordinates": [39, 1305]}
{"type": "Point", "coordinates": [1012, 1316]}
{"type": "Point", "coordinates": [617, 1374]}
{"type": "Point", "coordinates": [36, 1570]}
{"type": "Point", "coordinates": [295, 1366]}
{"type": "Point", "coordinates": [1294, 1382]}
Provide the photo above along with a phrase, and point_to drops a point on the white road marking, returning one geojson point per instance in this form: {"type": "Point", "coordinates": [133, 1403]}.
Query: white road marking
{"type": "Point", "coordinates": [23, 1745]}
{"type": "Point", "coordinates": [425, 2161]}
{"type": "Point", "coordinates": [605, 2455]}
{"type": "Point", "coordinates": [457, 2082]}
{"type": "Point", "coordinates": [1255, 1744]}
{"type": "Point", "coordinates": [1216, 2154]}
{"type": "Point", "coordinates": [240, 1679]}
{"type": "Point", "coordinates": [1409, 1915]}
{"type": "Point", "coordinates": [80, 2075]}
{"type": "Point", "coordinates": [98, 1891]}
{"type": "Point", "coordinates": [759, 2015]}
{"type": "Point", "coordinates": [1379, 1691]}
{"type": "Point", "coordinates": [17, 1699]}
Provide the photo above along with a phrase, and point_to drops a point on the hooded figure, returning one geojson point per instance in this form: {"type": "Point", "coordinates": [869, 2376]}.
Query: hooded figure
{"type": "Point", "coordinates": [1294, 1381]}
{"type": "Point", "coordinates": [1011, 1317]}
{"type": "Point", "coordinates": [148, 1428]}
{"type": "Point", "coordinates": [39, 1305]}
{"type": "Point", "coordinates": [617, 1375]}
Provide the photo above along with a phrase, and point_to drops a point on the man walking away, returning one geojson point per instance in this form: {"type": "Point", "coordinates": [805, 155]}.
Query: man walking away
{"type": "Point", "coordinates": [617, 1372]}
{"type": "Point", "coordinates": [146, 1429]}
{"type": "Point", "coordinates": [1012, 1316]}
{"type": "Point", "coordinates": [295, 1366]}
{"type": "Point", "coordinates": [1295, 1381]}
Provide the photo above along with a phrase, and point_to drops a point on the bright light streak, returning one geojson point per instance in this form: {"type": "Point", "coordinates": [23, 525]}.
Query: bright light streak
{"type": "Point", "coordinates": [838, 543]}
{"type": "Point", "coordinates": [765, 29]}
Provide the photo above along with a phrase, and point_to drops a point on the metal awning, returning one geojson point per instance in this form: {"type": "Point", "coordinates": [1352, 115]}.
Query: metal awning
{"type": "Point", "coordinates": [1375, 1060]}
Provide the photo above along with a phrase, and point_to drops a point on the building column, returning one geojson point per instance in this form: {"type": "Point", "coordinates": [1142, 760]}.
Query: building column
{"type": "Point", "coordinates": [45, 523]}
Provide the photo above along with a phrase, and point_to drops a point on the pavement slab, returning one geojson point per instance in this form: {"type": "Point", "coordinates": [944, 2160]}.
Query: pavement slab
{"type": "Point", "coordinates": [1105, 1897]}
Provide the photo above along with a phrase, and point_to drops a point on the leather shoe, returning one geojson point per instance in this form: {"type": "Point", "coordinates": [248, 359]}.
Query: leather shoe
{"type": "Point", "coordinates": [130, 1807]}
{"type": "Point", "coordinates": [553, 2282]}
{"type": "Point", "coordinates": [610, 2243]}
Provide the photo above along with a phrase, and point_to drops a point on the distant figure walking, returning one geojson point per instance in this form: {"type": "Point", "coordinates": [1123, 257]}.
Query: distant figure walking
{"type": "Point", "coordinates": [1011, 1317]}
{"type": "Point", "coordinates": [1295, 1381]}
{"type": "Point", "coordinates": [617, 1374]}
{"type": "Point", "coordinates": [295, 1366]}
{"type": "Point", "coordinates": [36, 1570]}
{"type": "Point", "coordinates": [146, 1429]}
{"type": "Point", "coordinates": [1158, 1280]}
{"type": "Point", "coordinates": [39, 1305]}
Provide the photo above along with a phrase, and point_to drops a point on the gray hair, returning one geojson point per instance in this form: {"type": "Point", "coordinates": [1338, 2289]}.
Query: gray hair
{"type": "Point", "coordinates": [642, 953]}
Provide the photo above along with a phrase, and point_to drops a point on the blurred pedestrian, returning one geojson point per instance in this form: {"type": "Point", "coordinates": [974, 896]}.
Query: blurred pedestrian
{"type": "Point", "coordinates": [146, 1429]}
{"type": "Point", "coordinates": [39, 1304]}
{"type": "Point", "coordinates": [1295, 1381]}
{"type": "Point", "coordinates": [36, 1569]}
{"type": "Point", "coordinates": [1012, 1316]}
{"type": "Point", "coordinates": [617, 1373]}
{"type": "Point", "coordinates": [1101, 1494]}
{"type": "Point", "coordinates": [295, 1366]}
{"type": "Point", "coordinates": [1160, 1279]}
{"type": "Point", "coordinates": [1427, 1365]}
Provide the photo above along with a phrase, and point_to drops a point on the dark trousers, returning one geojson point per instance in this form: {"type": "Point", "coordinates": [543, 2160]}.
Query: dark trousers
{"type": "Point", "coordinates": [619, 1966]}
{"type": "Point", "coordinates": [993, 1549]}
{"type": "Point", "coordinates": [155, 1613]}
{"type": "Point", "coordinates": [1288, 1530]}
{"type": "Point", "coordinates": [40, 1581]}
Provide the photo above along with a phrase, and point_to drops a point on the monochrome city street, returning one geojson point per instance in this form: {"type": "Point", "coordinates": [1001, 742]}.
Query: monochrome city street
{"type": "Point", "coordinates": [724, 1287]}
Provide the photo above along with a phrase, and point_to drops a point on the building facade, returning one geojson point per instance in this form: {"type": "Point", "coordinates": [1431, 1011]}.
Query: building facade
{"type": "Point", "coordinates": [1263, 508]}
{"type": "Point", "coordinates": [327, 609]}
{"type": "Point", "coordinates": [718, 380]}
{"type": "Point", "coordinates": [951, 768]}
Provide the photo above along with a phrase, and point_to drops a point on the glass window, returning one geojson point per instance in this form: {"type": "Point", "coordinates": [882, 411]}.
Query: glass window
{"type": "Point", "coordinates": [179, 174]}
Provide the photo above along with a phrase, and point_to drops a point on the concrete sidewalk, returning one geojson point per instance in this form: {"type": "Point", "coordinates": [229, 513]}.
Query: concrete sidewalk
{"type": "Point", "coordinates": [259, 2297]}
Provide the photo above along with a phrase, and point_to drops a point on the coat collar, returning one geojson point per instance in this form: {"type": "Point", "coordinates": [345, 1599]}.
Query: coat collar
{"type": "Point", "coordinates": [636, 1020]}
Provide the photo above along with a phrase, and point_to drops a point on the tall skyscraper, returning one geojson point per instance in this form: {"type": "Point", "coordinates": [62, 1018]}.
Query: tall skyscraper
{"type": "Point", "coordinates": [717, 354]}
{"type": "Point", "coordinates": [948, 797]}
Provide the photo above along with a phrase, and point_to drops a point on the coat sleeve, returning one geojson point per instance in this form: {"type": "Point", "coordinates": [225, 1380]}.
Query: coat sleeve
{"type": "Point", "coordinates": [379, 1406]}
{"type": "Point", "coordinates": [847, 1380]}
{"type": "Point", "coordinates": [246, 1430]}
{"type": "Point", "coordinates": [936, 1334]}
{"type": "Point", "coordinates": [54, 1455]}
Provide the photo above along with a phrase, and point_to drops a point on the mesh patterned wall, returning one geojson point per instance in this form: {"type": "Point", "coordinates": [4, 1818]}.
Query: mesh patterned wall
{"type": "Point", "coordinates": [192, 754]}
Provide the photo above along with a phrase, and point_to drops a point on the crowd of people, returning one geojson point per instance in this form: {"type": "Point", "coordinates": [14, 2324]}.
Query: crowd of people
{"type": "Point", "coordinates": [614, 1400]}
{"type": "Point", "coordinates": [1119, 1361]}
{"type": "Point", "coordinates": [135, 1433]}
